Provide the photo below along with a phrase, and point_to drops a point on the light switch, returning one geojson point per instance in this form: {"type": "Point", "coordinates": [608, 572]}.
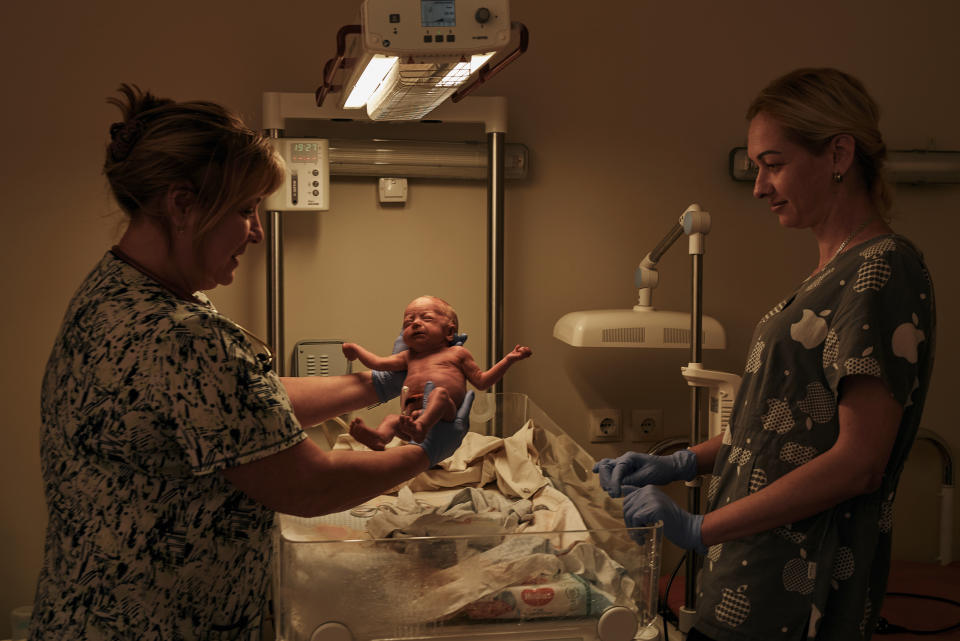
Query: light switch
{"type": "Point", "coordinates": [393, 190]}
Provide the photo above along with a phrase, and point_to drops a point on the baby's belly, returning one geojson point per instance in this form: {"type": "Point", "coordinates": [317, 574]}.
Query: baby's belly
{"type": "Point", "coordinates": [456, 386]}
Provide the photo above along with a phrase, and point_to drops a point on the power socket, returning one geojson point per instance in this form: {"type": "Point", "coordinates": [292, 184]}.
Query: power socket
{"type": "Point", "coordinates": [606, 426]}
{"type": "Point", "coordinates": [647, 426]}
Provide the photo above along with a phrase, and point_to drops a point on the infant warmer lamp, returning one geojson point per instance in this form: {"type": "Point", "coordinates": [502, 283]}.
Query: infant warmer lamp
{"type": "Point", "coordinates": [648, 327]}
{"type": "Point", "coordinates": [408, 56]}
{"type": "Point", "coordinates": [645, 325]}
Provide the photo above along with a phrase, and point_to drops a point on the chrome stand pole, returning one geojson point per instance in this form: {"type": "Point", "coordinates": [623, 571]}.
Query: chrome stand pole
{"type": "Point", "coordinates": [495, 281]}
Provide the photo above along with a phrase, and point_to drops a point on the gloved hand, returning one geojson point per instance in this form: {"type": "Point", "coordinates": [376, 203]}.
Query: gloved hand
{"type": "Point", "coordinates": [647, 505]}
{"type": "Point", "coordinates": [639, 469]}
{"type": "Point", "coordinates": [389, 384]}
{"type": "Point", "coordinates": [444, 438]}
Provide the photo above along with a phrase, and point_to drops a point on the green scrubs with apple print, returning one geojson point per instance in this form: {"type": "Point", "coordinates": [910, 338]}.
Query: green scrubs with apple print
{"type": "Point", "coordinates": [869, 312]}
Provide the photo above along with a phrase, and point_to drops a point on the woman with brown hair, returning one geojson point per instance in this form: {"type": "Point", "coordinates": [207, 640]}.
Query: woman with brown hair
{"type": "Point", "coordinates": [168, 440]}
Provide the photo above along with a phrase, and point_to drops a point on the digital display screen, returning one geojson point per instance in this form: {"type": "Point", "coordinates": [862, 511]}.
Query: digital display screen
{"type": "Point", "coordinates": [304, 152]}
{"type": "Point", "coordinates": [438, 13]}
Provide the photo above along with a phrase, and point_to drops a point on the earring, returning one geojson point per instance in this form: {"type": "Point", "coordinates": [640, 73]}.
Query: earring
{"type": "Point", "coordinates": [837, 177]}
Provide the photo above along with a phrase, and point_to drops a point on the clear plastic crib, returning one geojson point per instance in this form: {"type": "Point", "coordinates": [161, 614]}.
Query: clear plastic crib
{"type": "Point", "coordinates": [465, 563]}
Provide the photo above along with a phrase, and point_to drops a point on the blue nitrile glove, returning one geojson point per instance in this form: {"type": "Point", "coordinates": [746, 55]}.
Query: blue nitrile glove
{"type": "Point", "coordinates": [444, 438]}
{"type": "Point", "coordinates": [390, 384]}
{"type": "Point", "coordinates": [639, 469]}
{"type": "Point", "coordinates": [647, 505]}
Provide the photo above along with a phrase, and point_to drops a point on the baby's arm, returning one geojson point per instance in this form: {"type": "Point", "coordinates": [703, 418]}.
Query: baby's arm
{"type": "Point", "coordinates": [482, 380]}
{"type": "Point", "coordinates": [393, 363]}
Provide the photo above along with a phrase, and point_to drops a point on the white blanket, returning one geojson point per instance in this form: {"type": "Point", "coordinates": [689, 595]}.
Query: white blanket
{"type": "Point", "coordinates": [500, 499]}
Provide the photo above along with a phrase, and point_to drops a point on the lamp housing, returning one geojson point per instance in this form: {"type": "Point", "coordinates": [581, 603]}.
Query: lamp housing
{"type": "Point", "coordinates": [637, 327]}
{"type": "Point", "coordinates": [644, 325]}
{"type": "Point", "coordinates": [413, 54]}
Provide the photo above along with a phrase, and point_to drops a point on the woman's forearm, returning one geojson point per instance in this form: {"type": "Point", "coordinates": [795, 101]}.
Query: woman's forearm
{"type": "Point", "coordinates": [317, 398]}
{"type": "Point", "coordinates": [303, 480]}
{"type": "Point", "coordinates": [794, 496]}
{"type": "Point", "coordinates": [707, 454]}
{"type": "Point", "coordinates": [869, 419]}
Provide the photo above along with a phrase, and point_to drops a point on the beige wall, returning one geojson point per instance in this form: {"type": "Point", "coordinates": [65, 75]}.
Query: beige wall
{"type": "Point", "coordinates": [623, 135]}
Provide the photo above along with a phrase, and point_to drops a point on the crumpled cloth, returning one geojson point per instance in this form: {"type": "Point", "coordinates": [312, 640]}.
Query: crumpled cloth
{"type": "Point", "coordinates": [470, 511]}
{"type": "Point", "coordinates": [476, 512]}
{"type": "Point", "coordinates": [522, 532]}
{"type": "Point", "coordinates": [512, 462]}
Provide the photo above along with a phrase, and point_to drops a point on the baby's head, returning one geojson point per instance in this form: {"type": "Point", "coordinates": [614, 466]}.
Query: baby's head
{"type": "Point", "coordinates": [429, 321]}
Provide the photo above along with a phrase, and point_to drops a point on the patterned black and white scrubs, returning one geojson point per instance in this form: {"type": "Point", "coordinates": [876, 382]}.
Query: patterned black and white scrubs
{"type": "Point", "coordinates": [146, 398]}
{"type": "Point", "coordinates": [869, 312]}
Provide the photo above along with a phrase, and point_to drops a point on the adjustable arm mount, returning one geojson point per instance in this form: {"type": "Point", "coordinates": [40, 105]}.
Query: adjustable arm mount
{"type": "Point", "coordinates": [695, 224]}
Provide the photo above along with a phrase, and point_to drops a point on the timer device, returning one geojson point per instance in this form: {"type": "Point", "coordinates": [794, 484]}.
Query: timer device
{"type": "Point", "coordinates": [306, 182]}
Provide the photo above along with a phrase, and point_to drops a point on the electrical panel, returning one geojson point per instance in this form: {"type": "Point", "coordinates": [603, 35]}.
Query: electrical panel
{"type": "Point", "coordinates": [435, 27]}
{"type": "Point", "coordinates": [320, 358]}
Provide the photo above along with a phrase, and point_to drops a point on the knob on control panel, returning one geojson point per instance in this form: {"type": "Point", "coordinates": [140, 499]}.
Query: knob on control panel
{"type": "Point", "coordinates": [482, 15]}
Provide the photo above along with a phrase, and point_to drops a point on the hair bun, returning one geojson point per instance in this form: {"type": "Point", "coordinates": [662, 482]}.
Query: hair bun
{"type": "Point", "coordinates": [123, 136]}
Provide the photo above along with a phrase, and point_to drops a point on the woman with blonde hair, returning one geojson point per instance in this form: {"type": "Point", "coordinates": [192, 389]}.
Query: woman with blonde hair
{"type": "Point", "coordinates": [798, 522]}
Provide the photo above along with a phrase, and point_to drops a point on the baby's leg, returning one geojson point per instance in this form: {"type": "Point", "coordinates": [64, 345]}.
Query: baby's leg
{"type": "Point", "coordinates": [439, 407]}
{"type": "Point", "coordinates": [375, 439]}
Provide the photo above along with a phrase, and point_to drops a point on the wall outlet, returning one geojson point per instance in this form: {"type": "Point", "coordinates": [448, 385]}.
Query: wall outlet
{"type": "Point", "coordinates": [606, 426]}
{"type": "Point", "coordinates": [647, 426]}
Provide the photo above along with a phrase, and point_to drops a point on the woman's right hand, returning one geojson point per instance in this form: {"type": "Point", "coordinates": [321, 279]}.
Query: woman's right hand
{"type": "Point", "coordinates": [638, 469]}
{"type": "Point", "coordinates": [444, 438]}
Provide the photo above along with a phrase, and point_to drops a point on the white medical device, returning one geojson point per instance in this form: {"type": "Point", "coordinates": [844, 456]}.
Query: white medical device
{"type": "Point", "coordinates": [722, 390]}
{"type": "Point", "coordinates": [411, 55]}
{"type": "Point", "coordinates": [434, 27]}
{"type": "Point", "coordinates": [306, 183]}
{"type": "Point", "coordinates": [644, 325]}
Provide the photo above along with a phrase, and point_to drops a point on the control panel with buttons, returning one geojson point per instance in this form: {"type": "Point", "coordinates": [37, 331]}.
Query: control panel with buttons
{"type": "Point", "coordinates": [306, 182]}
{"type": "Point", "coordinates": [441, 27]}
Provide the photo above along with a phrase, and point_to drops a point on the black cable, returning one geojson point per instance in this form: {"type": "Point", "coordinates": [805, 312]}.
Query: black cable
{"type": "Point", "coordinates": [665, 611]}
{"type": "Point", "coordinates": [885, 627]}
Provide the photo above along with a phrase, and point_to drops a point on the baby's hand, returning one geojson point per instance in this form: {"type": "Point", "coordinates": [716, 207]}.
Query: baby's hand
{"type": "Point", "coordinates": [350, 351]}
{"type": "Point", "coordinates": [520, 352]}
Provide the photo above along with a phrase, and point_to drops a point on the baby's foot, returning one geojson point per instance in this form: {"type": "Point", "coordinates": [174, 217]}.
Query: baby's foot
{"type": "Point", "coordinates": [364, 434]}
{"type": "Point", "coordinates": [410, 429]}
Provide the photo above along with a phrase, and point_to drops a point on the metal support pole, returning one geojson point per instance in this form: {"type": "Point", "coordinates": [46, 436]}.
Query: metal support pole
{"type": "Point", "coordinates": [275, 290]}
{"type": "Point", "coordinates": [495, 250]}
{"type": "Point", "coordinates": [275, 281]}
{"type": "Point", "coordinates": [495, 179]}
{"type": "Point", "coordinates": [696, 349]}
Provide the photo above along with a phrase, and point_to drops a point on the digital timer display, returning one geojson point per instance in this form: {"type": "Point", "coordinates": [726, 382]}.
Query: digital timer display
{"type": "Point", "coordinates": [438, 13]}
{"type": "Point", "coordinates": [304, 152]}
